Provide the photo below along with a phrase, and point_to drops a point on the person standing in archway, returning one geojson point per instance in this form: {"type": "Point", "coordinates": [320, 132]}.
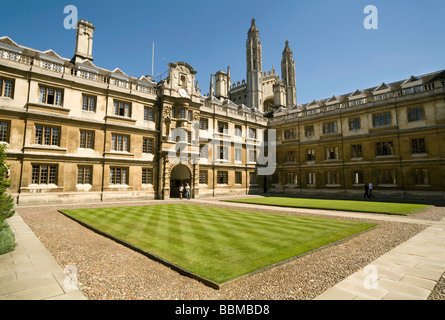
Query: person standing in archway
{"type": "Point", "coordinates": [187, 191]}
{"type": "Point", "coordinates": [181, 190]}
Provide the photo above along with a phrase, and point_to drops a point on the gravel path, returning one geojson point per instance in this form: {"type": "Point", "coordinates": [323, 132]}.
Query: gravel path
{"type": "Point", "coordinates": [107, 270]}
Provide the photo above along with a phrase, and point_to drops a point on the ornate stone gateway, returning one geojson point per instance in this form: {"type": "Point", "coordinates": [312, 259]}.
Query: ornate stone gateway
{"type": "Point", "coordinates": [180, 175]}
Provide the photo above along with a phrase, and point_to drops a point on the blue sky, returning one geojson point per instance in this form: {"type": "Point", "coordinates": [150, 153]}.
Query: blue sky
{"type": "Point", "coordinates": [334, 53]}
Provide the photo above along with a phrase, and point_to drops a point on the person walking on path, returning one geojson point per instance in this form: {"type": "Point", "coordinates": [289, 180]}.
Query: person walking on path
{"type": "Point", "coordinates": [370, 191]}
{"type": "Point", "coordinates": [187, 191]}
{"type": "Point", "coordinates": [181, 190]}
{"type": "Point", "coordinates": [366, 191]}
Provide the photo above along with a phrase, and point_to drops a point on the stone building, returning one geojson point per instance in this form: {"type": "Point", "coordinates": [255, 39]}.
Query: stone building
{"type": "Point", "coordinates": [78, 132]}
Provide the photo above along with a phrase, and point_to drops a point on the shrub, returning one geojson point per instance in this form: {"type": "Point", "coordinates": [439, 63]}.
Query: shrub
{"type": "Point", "coordinates": [7, 238]}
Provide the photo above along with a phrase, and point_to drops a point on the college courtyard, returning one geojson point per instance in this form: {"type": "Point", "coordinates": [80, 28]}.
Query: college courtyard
{"type": "Point", "coordinates": [96, 160]}
{"type": "Point", "coordinates": [394, 257]}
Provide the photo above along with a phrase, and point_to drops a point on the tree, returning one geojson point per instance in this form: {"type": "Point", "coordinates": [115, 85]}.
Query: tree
{"type": "Point", "coordinates": [7, 241]}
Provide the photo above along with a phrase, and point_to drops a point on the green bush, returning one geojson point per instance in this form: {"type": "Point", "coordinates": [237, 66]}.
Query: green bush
{"type": "Point", "coordinates": [7, 238]}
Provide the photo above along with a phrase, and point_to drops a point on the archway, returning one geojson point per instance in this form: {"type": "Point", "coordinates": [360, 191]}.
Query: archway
{"type": "Point", "coordinates": [180, 175]}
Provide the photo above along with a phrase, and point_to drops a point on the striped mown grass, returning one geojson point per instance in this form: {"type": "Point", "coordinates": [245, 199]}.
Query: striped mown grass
{"type": "Point", "coordinates": [216, 243]}
{"type": "Point", "coordinates": [342, 205]}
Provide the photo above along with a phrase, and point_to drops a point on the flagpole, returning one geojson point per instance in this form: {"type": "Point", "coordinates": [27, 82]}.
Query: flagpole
{"type": "Point", "coordinates": [152, 61]}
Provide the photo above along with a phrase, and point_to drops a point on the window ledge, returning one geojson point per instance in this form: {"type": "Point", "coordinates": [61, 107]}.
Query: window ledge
{"type": "Point", "coordinates": [119, 186]}
{"type": "Point", "coordinates": [48, 107]}
{"type": "Point", "coordinates": [44, 148]}
{"type": "Point", "coordinates": [120, 119]}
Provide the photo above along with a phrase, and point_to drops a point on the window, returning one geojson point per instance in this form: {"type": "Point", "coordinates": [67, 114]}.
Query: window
{"type": "Point", "coordinates": [222, 177]}
{"type": "Point", "coordinates": [50, 96]}
{"type": "Point", "coordinates": [120, 143]}
{"type": "Point", "coordinates": [412, 90]}
{"type": "Point", "coordinates": [203, 176]}
{"type": "Point", "coordinates": [238, 154]}
{"type": "Point", "coordinates": [6, 88]}
{"type": "Point", "coordinates": [310, 155]}
{"type": "Point", "coordinates": [48, 136]}
{"type": "Point", "coordinates": [357, 177]}
{"type": "Point", "coordinates": [204, 151]}
{"type": "Point", "coordinates": [332, 153]}
{"type": "Point", "coordinates": [290, 156]}
{"type": "Point", "coordinates": [190, 115]}
{"type": "Point", "coordinates": [238, 131]}
{"type": "Point", "coordinates": [252, 178]}
{"type": "Point", "coordinates": [44, 174]}
{"type": "Point", "coordinates": [354, 124]}
{"type": "Point", "coordinates": [387, 176]}
{"type": "Point", "coordinates": [118, 175]}
{"type": "Point", "coordinates": [223, 127]}
{"type": "Point", "coordinates": [357, 102]}
{"type": "Point", "coordinates": [182, 113]}
{"type": "Point", "coordinates": [89, 103]}
{"type": "Point", "coordinates": [147, 145]}
{"type": "Point", "coordinates": [382, 119]}
{"type": "Point", "coordinates": [384, 149]}
{"type": "Point", "coordinates": [121, 83]}
{"type": "Point", "coordinates": [418, 146]}
{"type": "Point", "coordinates": [332, 178]}
{"type": "Point", "coordinates": [290, 134]}
{"type": "Point", "coordinates": [84, 174]}
{"type": "Point", "coordinates": [421, 177]}
{"type": "Point", "coordinates": [223, 153]}
{"type": "Point", "coordinates": [330, 127]}
{"type": "Point", "coordinates": [252, 133]}
{"type": "Point", "coordinates": [291, 178]}
{"type": "Point", "coordinates": [238, 177]}
{"type": "Point", "coordinates": [356, 151]}
{"type": "Point", "coordinates": [147, 175]}
{"type": "Point", "coordinates": [122, 109]}
{"type": "Point", "coordinates": [203, 124]}
{"type": "Point", "coordinates": [86, 139]}
{"type": "Point", "coordinates": [252, 156]}
{"type": "Point", "coordinates": [4, 132]}
{"type": "Point", "coordinates": [311, 178]}
{"type": "Point", "coordinates": [309, 131]}
{"type": "Point", "coordinates": [415, 114]}
{"type": "Point", "coordinates": [149, 114]}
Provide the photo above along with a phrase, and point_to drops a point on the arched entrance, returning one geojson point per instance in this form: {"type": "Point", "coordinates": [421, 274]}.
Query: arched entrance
{"type": "Point", "coordinates": [179, 175]}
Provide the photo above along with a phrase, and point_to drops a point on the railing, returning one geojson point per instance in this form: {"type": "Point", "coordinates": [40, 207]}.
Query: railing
{"type": "Point", "coordinates": [84, 74]}
{"type": "Point", "coordinates": [377, 98]}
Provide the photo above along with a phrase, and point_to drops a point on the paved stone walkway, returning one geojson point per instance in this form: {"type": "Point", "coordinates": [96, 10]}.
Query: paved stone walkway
{"type": "Point", "coordinates": [409, 271]}
{"type": "Point", "coordinates": [30, 272]}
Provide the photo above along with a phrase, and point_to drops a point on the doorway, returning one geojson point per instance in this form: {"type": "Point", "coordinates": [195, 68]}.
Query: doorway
{"type": "Point", "coordinates": [180, 175]}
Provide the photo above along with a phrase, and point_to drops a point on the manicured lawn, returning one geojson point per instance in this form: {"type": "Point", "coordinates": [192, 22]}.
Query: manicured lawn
{"type": "Point", "coordinates": [343, 205]}
{"type": "Point", "coordinates": [216, 243]}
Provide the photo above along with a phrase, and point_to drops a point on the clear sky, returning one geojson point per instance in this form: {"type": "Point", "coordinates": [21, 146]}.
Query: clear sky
{"type": "Point", "coordinates": [333, 52]}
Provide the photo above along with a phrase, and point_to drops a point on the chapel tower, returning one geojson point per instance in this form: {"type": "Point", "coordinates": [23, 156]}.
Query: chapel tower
{"type": "Point", "coordinates": [254, 68]}
{"type": "Point", "coordinates": [288, 76]}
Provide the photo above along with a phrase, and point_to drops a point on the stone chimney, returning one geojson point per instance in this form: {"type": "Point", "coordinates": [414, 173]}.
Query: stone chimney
{"type": "Point", "coordinates": [84, 41]}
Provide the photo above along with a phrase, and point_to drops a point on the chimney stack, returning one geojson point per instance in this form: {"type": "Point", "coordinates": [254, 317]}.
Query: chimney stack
{"type": "Point", "coordinates": [84, 41]}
